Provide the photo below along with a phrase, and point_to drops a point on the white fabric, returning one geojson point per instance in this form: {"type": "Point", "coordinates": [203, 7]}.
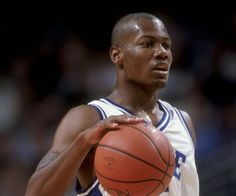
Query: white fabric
{"type": "Point", "coordinates": [173, 126]}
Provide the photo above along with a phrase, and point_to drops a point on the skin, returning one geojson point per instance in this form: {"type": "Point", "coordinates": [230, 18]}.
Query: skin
{"type": "Point", "coordinates": [142, 58]}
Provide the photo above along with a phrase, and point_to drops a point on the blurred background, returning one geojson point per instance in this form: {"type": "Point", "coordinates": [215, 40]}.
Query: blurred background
{"type": "Point", "coordinates": [53, 59]}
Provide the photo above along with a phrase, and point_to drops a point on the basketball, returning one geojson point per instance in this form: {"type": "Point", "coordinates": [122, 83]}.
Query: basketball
{"type": "Point", "coordinates": [137, 159]}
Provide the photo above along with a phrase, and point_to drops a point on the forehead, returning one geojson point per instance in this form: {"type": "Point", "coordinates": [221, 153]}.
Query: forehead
{"type": "Point", "coordinates": [151, 27]}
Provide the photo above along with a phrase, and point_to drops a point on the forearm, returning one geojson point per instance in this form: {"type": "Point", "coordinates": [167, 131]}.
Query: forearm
{"type": "Point", "coordinates": [55, 177]}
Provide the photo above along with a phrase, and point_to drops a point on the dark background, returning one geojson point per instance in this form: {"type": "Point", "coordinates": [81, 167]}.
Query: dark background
{"type": "Point", "coordinates": [54, 57]}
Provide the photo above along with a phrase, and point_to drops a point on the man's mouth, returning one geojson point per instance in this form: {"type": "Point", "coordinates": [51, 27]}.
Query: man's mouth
{"type": "Point", "coordinates": [161, 66]}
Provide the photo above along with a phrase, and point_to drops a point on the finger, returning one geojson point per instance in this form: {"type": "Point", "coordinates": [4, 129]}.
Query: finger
{"type": "Point", "coordinates": [127, 119]}
{"type": "Point", "coordinates": [102, 125]}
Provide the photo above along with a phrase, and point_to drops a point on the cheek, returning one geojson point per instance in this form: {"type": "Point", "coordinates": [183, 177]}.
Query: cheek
{"type": "Point", "coordinates": [135, 68]}
{"type": "Point", "coordinates": [136, 63]}
{"type": "Point", "coordinates": [137, 73]}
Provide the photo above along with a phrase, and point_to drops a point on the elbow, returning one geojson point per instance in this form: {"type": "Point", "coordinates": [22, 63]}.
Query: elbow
{"type": "Point", "coordinates": [36, 187]}
{"type": "Point", "coordinates": [32, 188]}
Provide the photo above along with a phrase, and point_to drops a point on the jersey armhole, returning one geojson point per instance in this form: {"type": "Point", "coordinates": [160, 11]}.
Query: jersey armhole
{"type": "Point", "coordinates": [189, 131]}
{"type": "Point", "coordinates": [182, 119]}
{"type": "Point", "coordinates": [100, 111]}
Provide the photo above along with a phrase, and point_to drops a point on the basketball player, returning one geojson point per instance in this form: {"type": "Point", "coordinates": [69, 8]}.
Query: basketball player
{"type": "Point", "coordinates": [141, 52]}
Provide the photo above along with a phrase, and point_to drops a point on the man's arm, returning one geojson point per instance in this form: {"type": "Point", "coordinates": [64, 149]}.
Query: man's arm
{"type": "Point", "coordinates": [57, 169]}
{"type": "Point", "coordinates": [79, 130]}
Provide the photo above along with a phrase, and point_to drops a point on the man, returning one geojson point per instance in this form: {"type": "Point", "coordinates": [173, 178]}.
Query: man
{"type": "Point", "coordinates": [141, 53]}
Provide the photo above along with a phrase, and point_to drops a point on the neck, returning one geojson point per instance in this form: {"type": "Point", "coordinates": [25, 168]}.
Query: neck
{"type": "Point", "coordinates": [134, 98]}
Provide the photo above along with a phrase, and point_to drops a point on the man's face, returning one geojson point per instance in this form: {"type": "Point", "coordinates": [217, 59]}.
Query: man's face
{"type": "Point", "coordinates": [146, 53]}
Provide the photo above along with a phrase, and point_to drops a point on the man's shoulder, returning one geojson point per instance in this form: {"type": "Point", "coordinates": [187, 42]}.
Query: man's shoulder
{"type": "Point", "coordinates": [82, 111]}
{"type": "Point", "coordinates": [94, 101]}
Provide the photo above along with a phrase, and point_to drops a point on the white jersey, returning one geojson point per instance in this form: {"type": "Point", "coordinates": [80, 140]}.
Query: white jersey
{"type": "Point", "coordinates": [185, 181]}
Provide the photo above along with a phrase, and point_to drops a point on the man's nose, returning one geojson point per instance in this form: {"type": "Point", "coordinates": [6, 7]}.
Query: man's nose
{"type": "Point", "coordinates": [160, 52]}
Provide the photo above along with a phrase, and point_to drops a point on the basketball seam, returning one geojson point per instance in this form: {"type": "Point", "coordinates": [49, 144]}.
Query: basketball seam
{"type": "Point", "coordinates": [135, 157]}
{"type": "Point", "coordinates": [163, 177]}
{"type": "Point", "coordinates": [167, 163]}
{"type": "Point", "coordinates": [153, 145]}
{"type": "Point", "coordinates": [124, 181]}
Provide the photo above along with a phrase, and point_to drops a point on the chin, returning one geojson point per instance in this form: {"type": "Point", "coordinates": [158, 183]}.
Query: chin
{"type": "Point", "coordinates": [160, 84]}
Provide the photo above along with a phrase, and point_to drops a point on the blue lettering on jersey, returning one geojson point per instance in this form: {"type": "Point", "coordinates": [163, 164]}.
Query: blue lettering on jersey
{"type": "Point", "coordinates": [179, 159]}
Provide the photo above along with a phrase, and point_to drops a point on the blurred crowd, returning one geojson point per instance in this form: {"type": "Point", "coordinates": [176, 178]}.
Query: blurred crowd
{"type": "Point", "coordinates": [62, 70]}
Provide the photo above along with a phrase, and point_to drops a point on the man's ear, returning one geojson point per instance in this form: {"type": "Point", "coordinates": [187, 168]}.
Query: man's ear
{"type": "Point", "coordinates": [116, 56]}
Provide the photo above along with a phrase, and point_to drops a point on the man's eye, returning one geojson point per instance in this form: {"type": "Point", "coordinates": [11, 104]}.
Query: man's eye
{"type": "Point", "coordinates": [166, 45]}
{"type": "Point", "coordinates": [147, 44]}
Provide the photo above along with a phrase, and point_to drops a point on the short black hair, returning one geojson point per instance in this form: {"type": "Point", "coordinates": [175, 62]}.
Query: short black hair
{"type": "Point", "coordinates": [123, 24]}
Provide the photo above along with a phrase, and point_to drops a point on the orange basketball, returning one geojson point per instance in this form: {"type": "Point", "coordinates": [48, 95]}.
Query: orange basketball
{"type": "Point", "coordinates": [135, 160]}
